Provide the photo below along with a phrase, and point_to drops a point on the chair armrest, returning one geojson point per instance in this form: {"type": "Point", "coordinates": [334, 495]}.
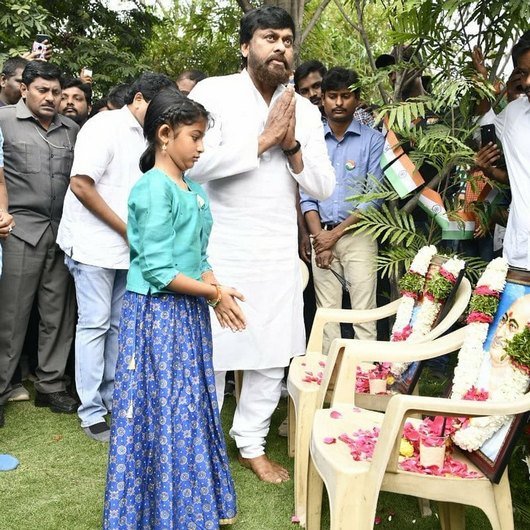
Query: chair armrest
{"type": "Point", "coordinates": [405, 405]}
{"type": "Point", "coordinates": [358, 351]}
{"type": "Point", "coordinates": [458, 307]}
{"type": "Point", "coordinates": [401, 406]}
{"type": "Point", "coordinates": [351, 316]}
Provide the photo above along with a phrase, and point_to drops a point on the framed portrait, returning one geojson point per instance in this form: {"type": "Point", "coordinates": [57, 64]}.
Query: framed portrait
{"type": "Point", "coordinates": [512, 315]}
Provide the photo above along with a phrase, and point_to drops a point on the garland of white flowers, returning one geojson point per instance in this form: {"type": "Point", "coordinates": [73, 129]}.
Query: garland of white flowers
{"type": "Point", "coordinates": [416, 273]}
{"type": "Point", "coordinates": [436, 292]}
{"type": "Point", "coordinates": [484, 303]}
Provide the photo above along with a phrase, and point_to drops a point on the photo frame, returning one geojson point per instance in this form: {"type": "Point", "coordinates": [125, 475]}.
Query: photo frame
{"type": "Point", "coordinates": [493, 456]}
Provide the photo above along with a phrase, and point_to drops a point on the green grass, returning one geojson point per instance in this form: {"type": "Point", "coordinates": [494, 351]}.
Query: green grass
{"type": "Point", "coordinates": [60, 482]}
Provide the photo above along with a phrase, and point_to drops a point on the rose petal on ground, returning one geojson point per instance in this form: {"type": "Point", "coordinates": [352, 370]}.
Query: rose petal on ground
{"type": "Point", "coordinates": [335, 414]}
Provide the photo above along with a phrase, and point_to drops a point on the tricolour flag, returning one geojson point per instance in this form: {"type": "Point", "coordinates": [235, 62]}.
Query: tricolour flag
{"type": "Point", "coordinates": [398, 167]}
{"type": "Point", "coordinates": [432, 203]}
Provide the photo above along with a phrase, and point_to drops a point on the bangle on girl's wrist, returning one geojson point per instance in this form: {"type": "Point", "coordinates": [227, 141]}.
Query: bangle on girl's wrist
{"type": "Point", "coordinates": [215, 301]}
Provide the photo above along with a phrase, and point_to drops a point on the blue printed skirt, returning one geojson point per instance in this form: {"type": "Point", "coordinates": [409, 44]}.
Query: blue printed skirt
{"type": "Point", "coordinates": [168, 467]}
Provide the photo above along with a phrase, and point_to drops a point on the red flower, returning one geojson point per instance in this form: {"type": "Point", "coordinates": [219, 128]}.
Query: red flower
{"type": "Point", "coordinates": [477, 316]}
{"type": "Point", "coordinates": [475, 394]}
{"type": "Point", "coordinates": [448, 275]}
{"type": "Point", "coordinates": [484, 290]}
{"type": "Point", "coordinates": [402, 335]}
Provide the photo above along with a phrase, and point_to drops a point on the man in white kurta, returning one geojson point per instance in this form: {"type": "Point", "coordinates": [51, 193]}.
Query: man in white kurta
{"type": "Point", "coordinates": [264, 143]}
{"type": "Point", "coordinates": [512, 126]}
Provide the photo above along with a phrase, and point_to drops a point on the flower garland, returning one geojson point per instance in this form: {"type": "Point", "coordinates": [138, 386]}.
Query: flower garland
{"type": "Point", "coordinates": [437, 289]}
{"type": "Point", "coordinates": [411, 286]}
{"type": "Point", "coordinates": [483, 306]}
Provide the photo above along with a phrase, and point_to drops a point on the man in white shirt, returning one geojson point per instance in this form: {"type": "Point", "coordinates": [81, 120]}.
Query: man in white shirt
{"type": "Point", "coordinates": [512, 126]}
{"type": "Point", "coordinates": [265, 141]}
{"type": "Point", "coordinates": [93, 236]}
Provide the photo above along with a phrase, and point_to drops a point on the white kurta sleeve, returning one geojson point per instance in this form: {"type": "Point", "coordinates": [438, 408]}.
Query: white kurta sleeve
{"type": "Point", "coordinates": [226, 153]}
{"type": "Point", "coordinates": [317, 178]}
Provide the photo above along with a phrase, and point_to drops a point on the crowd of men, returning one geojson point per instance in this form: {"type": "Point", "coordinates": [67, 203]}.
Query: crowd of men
{"type": "Point", "coordinates": [67, 169]}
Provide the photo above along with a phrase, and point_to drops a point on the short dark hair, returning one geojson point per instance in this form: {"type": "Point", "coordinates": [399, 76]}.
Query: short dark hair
{"type": "Point", "coordinates": [75, 82]}
{"type": "Point", "coordinates": [522, 46]}
{"type": "Point", "coordinates": [97, 106]}
{"type": "Point", "coordinates": [192, 75]}
{"type": "Point", "coordinates": [338, 78]}
{"type": "Point", "coordinates": [385, 60]}
{"type": "Point", "coordinates": [12, 64]}
{"type": "Point", "coordinates": [117, 94]}
{"type": "Point", "coordinates": [42, 69]}
{"type": "Point", "coordinates": [263, 18]}
{"type": "Point", "coordinates": [149, 84]}
{"type": "Point", "coordinates": [308, 68]}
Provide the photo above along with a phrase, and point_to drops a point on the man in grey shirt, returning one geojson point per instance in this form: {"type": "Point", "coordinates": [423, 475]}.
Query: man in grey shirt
{"type": "Point", "coordinates": [38, 153]}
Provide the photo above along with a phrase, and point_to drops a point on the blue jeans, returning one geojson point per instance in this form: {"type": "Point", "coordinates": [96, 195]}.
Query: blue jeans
{"type": "Point", "coordinates": [99, 294]}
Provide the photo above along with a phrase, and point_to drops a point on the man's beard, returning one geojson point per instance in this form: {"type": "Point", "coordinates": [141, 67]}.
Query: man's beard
{"type": "Point", "coordinates": [265, 75]}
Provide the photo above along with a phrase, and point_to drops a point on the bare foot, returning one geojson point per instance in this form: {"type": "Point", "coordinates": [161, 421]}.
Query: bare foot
{"type": "Point", "coordinates": [265, 469]}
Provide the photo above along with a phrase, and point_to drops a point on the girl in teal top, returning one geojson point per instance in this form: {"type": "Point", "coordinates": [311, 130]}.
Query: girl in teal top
{"type": "Point", "coordinates": [168, 466]}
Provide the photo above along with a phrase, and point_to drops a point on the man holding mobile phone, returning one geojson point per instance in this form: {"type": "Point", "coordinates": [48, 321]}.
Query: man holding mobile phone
{"type": "Point", "coordinates": [512, 127]}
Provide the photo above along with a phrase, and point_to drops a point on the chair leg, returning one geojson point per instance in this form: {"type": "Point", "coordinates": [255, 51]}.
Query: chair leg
{"type": "Point", "coordinates": [291, 427]}
{"type": "Point", "coordinates": [452, 516]}
{"type": "Point", "coordinates": [304, 420]}
{"type": "Point", "coordinates": [503, 504]}
{"type": "Point", "coordinates": [315, 488]}
{"type": "Point", "coordinates": [425, 507]}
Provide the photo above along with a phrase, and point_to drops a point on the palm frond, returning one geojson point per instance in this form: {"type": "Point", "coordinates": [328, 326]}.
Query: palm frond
{"type": "Point", "coordinates": [392, 226]}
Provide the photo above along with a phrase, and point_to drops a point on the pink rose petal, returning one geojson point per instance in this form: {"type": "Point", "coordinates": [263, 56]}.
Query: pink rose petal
{"type": "Point", "coordinates": [295, 519]}
{"type": "Point", "coordinates": [329, 440]}
{"type": "Point", "coordinates": [335, 414]}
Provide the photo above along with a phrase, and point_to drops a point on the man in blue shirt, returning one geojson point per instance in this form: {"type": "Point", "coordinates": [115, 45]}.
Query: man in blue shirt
{"type": "Point", "coordinates": [355, 151]}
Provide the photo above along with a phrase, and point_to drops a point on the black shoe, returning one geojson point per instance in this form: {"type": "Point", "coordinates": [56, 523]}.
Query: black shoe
{"type": "Point", "coordinates": [2, 419]}
{"type": "Point", "coordinates": [56, 402]}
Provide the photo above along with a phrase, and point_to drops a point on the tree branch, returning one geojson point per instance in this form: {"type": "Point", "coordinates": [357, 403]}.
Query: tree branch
{"type": "Point", "coordinates": [346, 17]}
{"type": "Point", "coordinates": [314, 20]}
{"type": "Point", "coordinates": [245, 5]}
{"type": "Point", "coordinates": [359, 28]}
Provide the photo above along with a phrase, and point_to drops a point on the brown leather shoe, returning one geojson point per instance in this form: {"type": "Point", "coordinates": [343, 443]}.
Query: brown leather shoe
{"type": "Point", "coordinates": [56, 402]}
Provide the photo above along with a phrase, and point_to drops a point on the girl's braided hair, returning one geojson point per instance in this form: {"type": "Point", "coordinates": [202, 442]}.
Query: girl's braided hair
{"type": "Point", "coordinates": [168, 107]}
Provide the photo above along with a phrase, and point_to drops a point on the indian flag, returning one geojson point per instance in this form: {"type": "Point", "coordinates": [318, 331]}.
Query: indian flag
{"type": "Point", "coordinates": [488, 194]}
{"type": "Point", "coordinates": [398, 167]}
{"type": "Point", "coordinates": [432, 203]}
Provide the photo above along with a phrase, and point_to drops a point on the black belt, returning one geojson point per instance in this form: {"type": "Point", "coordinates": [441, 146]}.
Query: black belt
{"type": "Point", "coordinates": [329, 226]}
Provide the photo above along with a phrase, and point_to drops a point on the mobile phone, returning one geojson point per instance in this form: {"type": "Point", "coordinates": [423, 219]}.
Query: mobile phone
{"type": "Point", "coordinates": [38, 45]}
{"type": "Point", "coordinates": [86, 72]}
{"type": "Point", "coordinates": [487, 135]}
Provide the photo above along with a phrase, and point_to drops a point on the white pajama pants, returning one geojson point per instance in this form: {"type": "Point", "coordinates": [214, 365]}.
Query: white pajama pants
{"type": "Point", "coordinates": [260, 394]}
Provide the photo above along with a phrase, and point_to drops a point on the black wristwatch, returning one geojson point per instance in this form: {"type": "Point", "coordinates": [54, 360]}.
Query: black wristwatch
{"type": "Point", "coordinates": [293, 151]}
